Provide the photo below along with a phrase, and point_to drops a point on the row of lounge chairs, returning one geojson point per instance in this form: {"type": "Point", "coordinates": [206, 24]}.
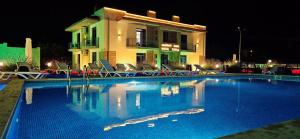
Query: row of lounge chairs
{"type": "Point", "coordinates": [130, 70]}
{"type": "Point", "coordinates": [106, 70]}
{"type": "Point", "coordinates": [29, 73]}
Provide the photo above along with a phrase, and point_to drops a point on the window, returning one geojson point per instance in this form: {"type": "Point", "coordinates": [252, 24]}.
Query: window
{"type": "Point", "coordinates": [169, 37]}
{"type": "Point", "coordinates": [182, 59]}
{"type": "Point", "coordinates": [140, 58]}
{"type": "Point", "coordinates": [140, 37]}
{"type": "Point", "coordinates": [94, 57]}
{"type": "Point", "coordinates": [94, 36]}
{"type": "Point", "coordinates": [183, 40]}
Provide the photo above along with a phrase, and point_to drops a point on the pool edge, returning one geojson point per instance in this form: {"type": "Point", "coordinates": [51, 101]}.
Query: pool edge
{"type": "Point", "coordinates": [9, 97]}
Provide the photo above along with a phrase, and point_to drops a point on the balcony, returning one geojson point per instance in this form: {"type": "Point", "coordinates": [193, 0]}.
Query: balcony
{"type": "Point", "coordinates": [189, 47]}
{"type": "Point", "coordinates": [131, 42]}
{"type": "Point", "coordinates": [85, 44]}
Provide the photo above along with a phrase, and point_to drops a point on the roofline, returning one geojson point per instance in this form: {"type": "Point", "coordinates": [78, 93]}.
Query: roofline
{"type": "Point", "coordinates": [127, 15]}
{"type": "Point", "coordinates": [84, 19]}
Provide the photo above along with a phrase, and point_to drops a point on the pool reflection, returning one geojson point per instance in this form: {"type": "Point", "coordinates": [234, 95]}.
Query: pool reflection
{"type": "Point", "coordinates": [129, 100]}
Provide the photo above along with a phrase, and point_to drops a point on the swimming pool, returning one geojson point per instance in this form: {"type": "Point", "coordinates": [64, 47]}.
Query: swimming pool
{"type": "Point", "coordinates": [2, 86]}
{"type": "Point", "coordinates": [161, 108]}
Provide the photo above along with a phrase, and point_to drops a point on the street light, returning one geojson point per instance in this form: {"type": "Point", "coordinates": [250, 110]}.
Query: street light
{"type": "Point", "coordinates": [240, 42]}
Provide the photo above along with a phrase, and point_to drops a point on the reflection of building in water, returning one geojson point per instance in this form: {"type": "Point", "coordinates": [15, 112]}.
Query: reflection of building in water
{"type": "Point", "coordinates": [28, 93]}
{"type": "Point", "coordinates": [125, 101]}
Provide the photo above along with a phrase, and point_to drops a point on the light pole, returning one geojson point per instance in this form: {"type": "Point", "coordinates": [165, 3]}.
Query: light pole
{"type": "Point", "coordinates": [240, 42]}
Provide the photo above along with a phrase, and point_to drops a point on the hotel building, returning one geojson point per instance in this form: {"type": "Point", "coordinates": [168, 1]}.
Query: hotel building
{"type": "Point", "coordinates": [122, 37]}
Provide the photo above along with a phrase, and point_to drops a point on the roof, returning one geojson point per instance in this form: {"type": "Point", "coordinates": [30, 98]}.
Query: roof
{"type": "Point", "coordinates": [119, 14]}
{"type": "Point", "coordinates": [116, 14]}
{"type": "Point", "coordinates": [83, 22]}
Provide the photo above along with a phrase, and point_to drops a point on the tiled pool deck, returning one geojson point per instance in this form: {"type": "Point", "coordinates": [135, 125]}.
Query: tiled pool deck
{"type": "Point", "coordinates": [289, 129]}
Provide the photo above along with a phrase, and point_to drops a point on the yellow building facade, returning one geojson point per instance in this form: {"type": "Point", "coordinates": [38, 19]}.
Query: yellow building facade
{"type": "Point", "coordinates": [122, 37]}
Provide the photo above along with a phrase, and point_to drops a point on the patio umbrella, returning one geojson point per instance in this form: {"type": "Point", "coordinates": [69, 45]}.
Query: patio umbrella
{"type": "Point", "coordinates": [28, 50]}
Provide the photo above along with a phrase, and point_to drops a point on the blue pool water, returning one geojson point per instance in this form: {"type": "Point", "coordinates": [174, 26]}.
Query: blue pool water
{"type": "Point", "coordinates": [2, 86]}
{"type": "Point", "coordinates": [196, 108]}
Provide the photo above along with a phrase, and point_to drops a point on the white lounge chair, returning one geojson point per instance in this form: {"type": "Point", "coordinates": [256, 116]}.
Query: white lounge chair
{"type": "Point", "coordinates": [28, 74]}
{"type": "Point", "coordinates": [122, 68]}
{"type": "Point", "coordinates": [108, 70]}
{"type": "Point", "coordinates": [94, 68]}
{"type": "Point", "coordinates": [148, 70]}
{"type": "Point", "coordinates": [204, 71]}
{"type": "Point", "coordinates": [62, 67]}
{"type": "Point", "coordinates": [171, 71]}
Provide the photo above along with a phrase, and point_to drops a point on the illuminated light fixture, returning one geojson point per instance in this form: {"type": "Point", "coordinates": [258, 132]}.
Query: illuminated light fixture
{"type": "Point", "coordinates": [217, 65]}
{"type": "Point", "coordinates": [156, 65]}
{"type": "Point", "coordinates": [269, 61]}
{"type": "Point", "coordinates": [1, 64]}
{"type": "Point", "coordinates": [49, 64]}
{"type": "Point", "coordinates": [165, 49]}
{"type": "Point", "coordinates": [235, 61]}
{"type": "Point", "coordinates": [119, 34]}
{"type": "Point", "coordinates": [176, 45]}
{"type": "Point", "coordinates": [203, 65]}
{"type": "Point", "coordinates": [153, 117]}
{"type": "Point", "coordinates": [166, 45]}
{"type": "Point", "coordinates": [175, 49]}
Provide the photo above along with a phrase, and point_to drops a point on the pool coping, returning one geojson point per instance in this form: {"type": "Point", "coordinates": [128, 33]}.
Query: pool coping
{"type": "Point", "coordinates": [8, 100]}
{"type": "Point", "coordinates": [14, 87]}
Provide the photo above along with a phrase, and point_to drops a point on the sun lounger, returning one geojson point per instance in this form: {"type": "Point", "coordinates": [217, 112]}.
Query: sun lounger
{"type": "Point", "coordinates": [108, 70]}
{"type": "Point", "coordinates": [204, 71]}
{"type": "Point", "coordinates": [171, 71]}
{"type": "Point", "coordinates": [148, 70]}
{"type": "Point", "coordinates": [27, 73]}
{"type": "Point", "coordinates": [123, 68]}
{"type": "Point", "coordinates": [62, 67]}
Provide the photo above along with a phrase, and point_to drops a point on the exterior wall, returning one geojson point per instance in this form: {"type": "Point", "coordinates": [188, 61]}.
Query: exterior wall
{"type": "Point", "coordinates": [11, 55]}
{"type": "Point", "coordinates": [113, 34]}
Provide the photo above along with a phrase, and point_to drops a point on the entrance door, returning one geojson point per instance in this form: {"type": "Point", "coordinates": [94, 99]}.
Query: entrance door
{"type": "Point", "coordinates": [78, 61]}
{"type": "Point", "coordinates": [164, 59]}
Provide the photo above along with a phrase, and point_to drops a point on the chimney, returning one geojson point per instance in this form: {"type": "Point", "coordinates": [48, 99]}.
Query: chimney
{"type": "Point", "coordinates": [175, 18]}
{"type": "Point", "coordinates": [151, 13]}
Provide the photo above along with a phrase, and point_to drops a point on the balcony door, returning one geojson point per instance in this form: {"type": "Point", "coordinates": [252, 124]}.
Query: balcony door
{"type": "Point", "coordinates": [164, 59]}
{"type": "Point", "coordinates": [94, 36]}
{"type": "Point", "coordinates": [78, 39]}
{"type": "Point", "coordinates": [140, 37]}
{"type": "Point", "coordinates": [183, 42]}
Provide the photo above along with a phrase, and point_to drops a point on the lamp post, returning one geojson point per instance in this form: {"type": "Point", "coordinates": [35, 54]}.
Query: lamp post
{"type": "Point", "coordinates": [240, 42]}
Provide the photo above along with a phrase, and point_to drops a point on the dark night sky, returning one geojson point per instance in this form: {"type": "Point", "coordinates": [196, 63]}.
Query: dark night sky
{"type": "Point", "coordinates": [272, 28]}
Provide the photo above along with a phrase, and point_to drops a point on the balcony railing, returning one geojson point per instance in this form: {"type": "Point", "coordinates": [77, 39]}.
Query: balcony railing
{"type": "Point", "coordinates": [188, 47]}
{"type": "Point", "coordinates": [85, 44]}
{"type": "Point", "coordinates": [131, 42]}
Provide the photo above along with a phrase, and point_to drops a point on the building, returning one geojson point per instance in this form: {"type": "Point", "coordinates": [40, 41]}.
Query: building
{"type": "Point", "coordinates": [122, 37]}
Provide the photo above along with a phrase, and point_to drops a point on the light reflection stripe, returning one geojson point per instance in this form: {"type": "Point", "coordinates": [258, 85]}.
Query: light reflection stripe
{"type": "Point", "coordinates": [153, 117]}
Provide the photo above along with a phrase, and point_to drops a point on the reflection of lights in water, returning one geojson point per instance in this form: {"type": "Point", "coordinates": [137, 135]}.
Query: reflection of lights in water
{"type": "Point", "coordinates": [196, 95]}
{"type": "Point", "coordinates": [151, 125]}
{"type": "Point", "coordinates": [133, 82]}
{"type": "Point", "coordinates": [153, 117]}
{"type": "Point", "coordinates": [28, 92]}
{"type": "Point", "coordinates": [175, 89]}
{"type": "Point", "coordinates": [174, 120]}
{"type": "Point", "coordinates": [119, 101]}
{"type": "Point", "coordinates": [165, 91]}
{"type": "Point", "coordinates": [217, 80]}
{"type": "Point", "coordinates": [138, 100]}
{"type": "Point", "coordinates": [269, 80]}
